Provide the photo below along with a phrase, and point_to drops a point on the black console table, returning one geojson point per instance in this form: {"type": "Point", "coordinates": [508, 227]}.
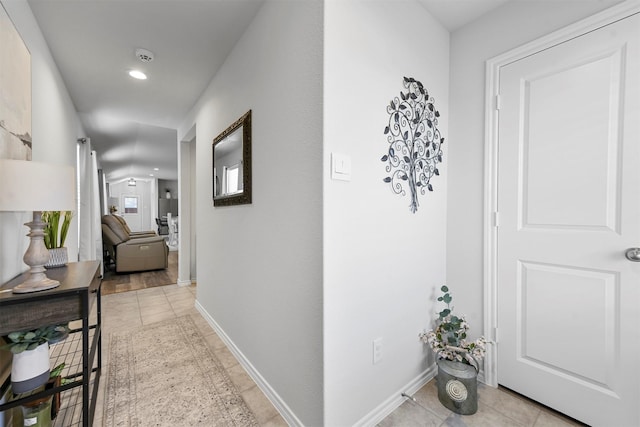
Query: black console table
{"type": "Point", "coordinates": [73, 300]}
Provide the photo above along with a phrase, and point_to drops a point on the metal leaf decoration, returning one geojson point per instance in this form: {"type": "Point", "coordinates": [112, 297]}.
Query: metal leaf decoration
{"type": "Point", "coordinates": [415, 143]}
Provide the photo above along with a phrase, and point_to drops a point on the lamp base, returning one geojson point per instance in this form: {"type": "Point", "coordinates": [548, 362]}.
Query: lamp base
{"type": "Point", "coordinates": [36, 257]}
{"type": "Point", "coordinates": [41, 285]}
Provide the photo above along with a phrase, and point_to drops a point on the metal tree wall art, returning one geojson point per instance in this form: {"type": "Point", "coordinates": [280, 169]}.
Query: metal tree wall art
{"type": "Point", "coordinates": [414, 142]}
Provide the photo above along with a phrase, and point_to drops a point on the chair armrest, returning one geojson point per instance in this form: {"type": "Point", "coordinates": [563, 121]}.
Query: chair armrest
{"type": "Point", "coordinates": [138, 234]}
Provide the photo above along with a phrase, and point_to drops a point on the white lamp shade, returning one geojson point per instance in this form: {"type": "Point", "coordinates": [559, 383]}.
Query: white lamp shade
{"type": "Point", "coordinates": [35, 186]}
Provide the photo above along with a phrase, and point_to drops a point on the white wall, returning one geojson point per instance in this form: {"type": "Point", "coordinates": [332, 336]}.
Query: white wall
{"type": "Point", "coordinates": [381, 262]}
{"type": "Point", "coordinates": [507, 27]}
{"type": "Point", "coordinates": [172, 185]}
{"type": "Point", "coordinates": [186, 207]}
{"type": "Point", "coordinates": [142, 189]}
{"type": "Point", "coordinates": [193, 261]}
{"type": "Point", "coordinates": [55, 128]}
{"type": "Point", "coordinates": [270, 305]}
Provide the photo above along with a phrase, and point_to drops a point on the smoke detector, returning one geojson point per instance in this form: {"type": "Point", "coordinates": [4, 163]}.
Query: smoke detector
{"type": "Point", "coordinates": [144, 55]}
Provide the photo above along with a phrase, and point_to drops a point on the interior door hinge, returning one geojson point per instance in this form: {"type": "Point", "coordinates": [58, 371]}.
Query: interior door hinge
{"type": "Point", "coordinates": [496, 219]}
{"type": "Point", "coordinates": [495, 335]}
{"type": "Point", "coordinates": [498, 102]}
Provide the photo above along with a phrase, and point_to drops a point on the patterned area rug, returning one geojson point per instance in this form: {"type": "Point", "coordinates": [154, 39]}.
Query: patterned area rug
{"type": "Point", "coordinates": [164, 374]}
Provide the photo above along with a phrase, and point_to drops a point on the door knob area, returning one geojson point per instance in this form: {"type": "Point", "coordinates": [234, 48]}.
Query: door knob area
{"type": "Point", "coordinates": [633, 254]}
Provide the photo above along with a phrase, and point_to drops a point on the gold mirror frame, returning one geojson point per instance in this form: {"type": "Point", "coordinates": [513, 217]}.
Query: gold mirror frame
{"type": "Point", "coordinates": [244, 197]}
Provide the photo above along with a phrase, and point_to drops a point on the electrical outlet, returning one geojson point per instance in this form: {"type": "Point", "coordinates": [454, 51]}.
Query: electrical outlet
{"type": "Point", "coordinates": [377, 350]}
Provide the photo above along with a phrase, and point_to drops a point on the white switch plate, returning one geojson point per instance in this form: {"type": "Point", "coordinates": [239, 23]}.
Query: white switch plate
{"type": "Point", "coordinates": [340, 167]}
{"type": "Point", "coordinates": [377, 350]}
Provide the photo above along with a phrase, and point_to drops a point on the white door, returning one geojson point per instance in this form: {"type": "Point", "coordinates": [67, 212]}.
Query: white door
{"type": "Point", "coordinates": [132, 211]}
{"type": "Point", "coordinates": [569, 207]}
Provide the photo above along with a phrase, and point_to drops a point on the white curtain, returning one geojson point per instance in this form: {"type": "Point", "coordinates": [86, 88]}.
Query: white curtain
{"type": "Point", "coordinates": [95, 210]}
{"type": "Point", "coordinates": [90, 238]}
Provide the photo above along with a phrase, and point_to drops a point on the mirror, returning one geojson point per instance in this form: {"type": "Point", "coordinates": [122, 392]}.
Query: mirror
{"type": "Point", "coordinates": [232, 164]}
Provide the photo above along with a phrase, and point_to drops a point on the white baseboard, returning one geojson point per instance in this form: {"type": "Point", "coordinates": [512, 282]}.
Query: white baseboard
{"type": "Point", "coordinates": [393, 402]}
{"type": "Point", "coordinates": [184, 282]}
{"type": "Point", "coordinates": [261, 382]}
{"type": "Point", "coordinates": [371, 419]}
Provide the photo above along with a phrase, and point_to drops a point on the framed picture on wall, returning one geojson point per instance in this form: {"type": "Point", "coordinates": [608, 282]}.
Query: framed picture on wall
{"type": "Point", "coordinates": [15, 92]}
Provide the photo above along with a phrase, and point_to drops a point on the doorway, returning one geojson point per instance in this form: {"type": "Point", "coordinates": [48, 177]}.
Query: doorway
{"type": "Point", "coordinates": [564, 208]}
{"type": "Point", "coordinates": [187, 220]}
{"type": "Point", "coordinates": [132, 211]}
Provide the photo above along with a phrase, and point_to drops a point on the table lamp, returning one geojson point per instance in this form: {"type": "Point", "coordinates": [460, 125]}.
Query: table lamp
{"type": "Point", "coordinates": [35, 186]}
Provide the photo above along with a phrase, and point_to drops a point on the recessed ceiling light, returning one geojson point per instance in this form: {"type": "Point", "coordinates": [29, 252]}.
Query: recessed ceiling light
{"type": "Point", "coordinates": [150, 174]}
{"type": "Point", "coordinates": [137, 74]}
{"type": "Point", "coordinates": [156, 169]}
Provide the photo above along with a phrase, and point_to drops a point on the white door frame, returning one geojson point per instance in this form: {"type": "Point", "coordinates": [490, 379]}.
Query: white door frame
{"type": "Point", "coordinates": [186, 205]}
{"type": "Point", "coordinates": [491, 215]}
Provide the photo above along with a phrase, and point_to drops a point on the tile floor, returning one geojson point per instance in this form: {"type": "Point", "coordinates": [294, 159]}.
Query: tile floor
{"type": "Point", "coordinates": [496, 408]}
{"type": "Point", "coordinates": [127, 310]}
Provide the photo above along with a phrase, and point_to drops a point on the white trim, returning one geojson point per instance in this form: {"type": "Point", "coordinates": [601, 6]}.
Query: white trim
{"type": "Point", "coordinates": [394, 401]}
{"type": "Point", "coordinates": [284, 410]}
{"type": "Point", "coordinates": [493, 66]}
{"type": "Point", "coordinates": [181, 282]}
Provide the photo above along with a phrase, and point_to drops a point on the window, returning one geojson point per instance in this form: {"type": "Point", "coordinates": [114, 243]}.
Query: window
{"type": "Point", "coordinates": [131, 204]}
{"type": "Point", "coordinates": [232, 175]}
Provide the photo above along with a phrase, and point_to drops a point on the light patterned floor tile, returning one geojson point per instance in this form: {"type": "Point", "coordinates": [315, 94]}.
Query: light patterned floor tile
{"type": "Point", "coordinates": [427, 397]}
{"type": "Point", "coordinates": [240, 378]}
{"type": "Point", "coordinates": [410, 414]}
{"type": "Point", "coordinates": [509, 404]}
{"type": "Point", "coordinates": [158, 317]}
{"type": "Point", "coordinates": [548, 419]}
{"type": "Point", "coordinates": [259, 405]}
{"type": "Point", "coordinates": [485, 417]}
{"type": "Point", "coordinates": [276, 421]}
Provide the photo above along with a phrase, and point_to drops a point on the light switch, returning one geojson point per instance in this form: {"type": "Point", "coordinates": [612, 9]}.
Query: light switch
{"type": "Point", "coordinates": [340, 167]}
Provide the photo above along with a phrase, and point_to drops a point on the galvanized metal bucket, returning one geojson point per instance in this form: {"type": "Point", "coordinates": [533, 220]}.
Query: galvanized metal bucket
{"type": "Point", "coordinates": [458, 386]}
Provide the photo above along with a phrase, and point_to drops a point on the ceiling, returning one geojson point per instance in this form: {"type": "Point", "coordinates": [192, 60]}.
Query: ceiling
{"type": "Point", "coordinates": [132, 124]}
{"type": "Point", "coordinates": [454, 14]}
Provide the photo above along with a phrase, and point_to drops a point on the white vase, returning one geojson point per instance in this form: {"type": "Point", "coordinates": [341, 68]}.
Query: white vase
{"type": "Point", "coordinates": [58, 257]}
{"type": "Point", "coordinates": [30, 369]}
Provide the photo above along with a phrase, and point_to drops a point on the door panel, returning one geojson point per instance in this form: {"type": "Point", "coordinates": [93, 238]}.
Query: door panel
{"type": "Point", "coordinates": [557, 120]}
{"type": "Point", "coordinates": [569, 203]}
{"type": "Point", "coordinates": [543, 292]}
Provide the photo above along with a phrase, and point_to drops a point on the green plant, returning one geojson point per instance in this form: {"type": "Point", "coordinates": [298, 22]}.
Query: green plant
{"type": "Point", "coordinates": [449, 339]}
{"type": "Point", "coordinates": [55, 372]}
{"type": "Point", "coordinates": [20, 341]}
{"type": "Point", "coordinates": [55, 233]}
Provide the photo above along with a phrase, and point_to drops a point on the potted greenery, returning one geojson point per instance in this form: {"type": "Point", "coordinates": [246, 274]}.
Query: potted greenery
{"type": "Point", "coordinates": [30, 366]}
{"type": "Point", "coordinates": [458, 359]}
{"type": "Point", "coordinates": [55, 234]}
{"type": "Point", "coordinates": [56, 380]}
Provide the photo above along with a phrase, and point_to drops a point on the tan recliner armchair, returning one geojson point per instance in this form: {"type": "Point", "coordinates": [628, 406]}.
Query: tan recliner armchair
{"type": "Point", "coordinates": [130, 252]}
{"type": "Point", "coordinates": [132, 234]}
